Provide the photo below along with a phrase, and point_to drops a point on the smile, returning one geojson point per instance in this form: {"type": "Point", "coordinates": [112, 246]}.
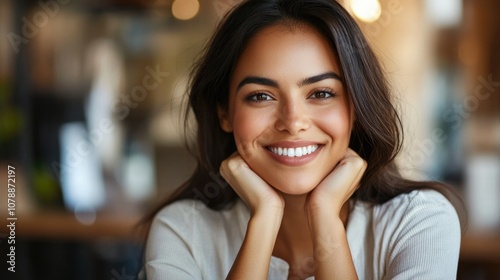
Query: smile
{"type": "Point", "coordinates": [293, 152]}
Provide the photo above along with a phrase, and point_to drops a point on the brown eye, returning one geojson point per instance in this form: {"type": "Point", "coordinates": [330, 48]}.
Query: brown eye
{"type": "Point", "coordinates": [322, 94]}
{"type": "Point", "coordinates": [257, 97]}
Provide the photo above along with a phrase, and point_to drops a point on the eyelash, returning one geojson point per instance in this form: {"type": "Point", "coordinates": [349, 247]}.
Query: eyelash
{"type": "Point", "coordinates": [253, 96]}
{"type": "Point", "coordinates": [328, 92]}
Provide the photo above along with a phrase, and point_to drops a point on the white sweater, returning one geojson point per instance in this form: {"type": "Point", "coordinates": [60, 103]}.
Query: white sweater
{"type": "Point", "coordinates": [412, 236]}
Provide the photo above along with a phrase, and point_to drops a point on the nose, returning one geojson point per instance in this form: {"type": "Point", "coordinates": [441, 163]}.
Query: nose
{"type": "Point", "coordinates": [292, 117]}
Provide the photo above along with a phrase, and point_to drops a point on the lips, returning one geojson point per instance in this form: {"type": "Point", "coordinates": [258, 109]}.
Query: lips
{"type": "Point", "coordinates": [294, 153]}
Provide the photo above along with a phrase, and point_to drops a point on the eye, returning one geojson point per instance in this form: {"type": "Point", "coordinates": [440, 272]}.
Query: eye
{"type": "Point", "coordinates": [322, 94]}
{"type": "Point", "coordinates": [258, 97]}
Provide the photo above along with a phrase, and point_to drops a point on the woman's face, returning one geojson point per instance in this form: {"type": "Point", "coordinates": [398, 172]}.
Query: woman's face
{"type": "Point", "coordinates": [288, 109]}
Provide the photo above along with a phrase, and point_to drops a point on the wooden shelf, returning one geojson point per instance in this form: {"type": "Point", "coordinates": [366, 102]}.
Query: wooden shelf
{"type": "Point", "coordinates": [65, 226]}
{"type": "Point", "coordinates": [481, 247]}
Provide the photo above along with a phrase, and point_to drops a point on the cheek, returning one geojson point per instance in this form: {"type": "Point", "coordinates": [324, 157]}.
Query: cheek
{"type": "Point", "coordinates": [248, 126]}
{"type": "Point", "coordinates": [336, 123]}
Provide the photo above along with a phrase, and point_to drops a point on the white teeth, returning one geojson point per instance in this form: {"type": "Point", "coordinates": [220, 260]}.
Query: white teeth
{"type": "Point", "coordinates": [298, 152]}
{"type": "Point", "coordinates": [294, 152]}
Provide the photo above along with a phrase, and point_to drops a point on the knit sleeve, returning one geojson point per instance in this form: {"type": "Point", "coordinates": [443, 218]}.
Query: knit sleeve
{"type": "Point", "coordinates": [168, 249]}
{"type": "Point", "coordinates": [427, 242]}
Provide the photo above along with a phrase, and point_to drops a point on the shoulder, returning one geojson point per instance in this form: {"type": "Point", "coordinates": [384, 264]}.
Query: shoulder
{"type": "Point", "coordinates": [195, 223]}
{"type": "Point", "coordinates": [416, 207]}
{"type": "Point", "coordinates": [419, 207]}
{"type": "Point", "coordinates": [422, 215]}
{"type": "Point", "coordinates": [186, 238]}
{"type": "Point", "coordinates": [181, 211]}
{"type": "Point", "coordinates": [414, 235]}
{"type": "Point", "coordinates": [422, 201]}
{"type": "Point", "coordinates": [189, 214]}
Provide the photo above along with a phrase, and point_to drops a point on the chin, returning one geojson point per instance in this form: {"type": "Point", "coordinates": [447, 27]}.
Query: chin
{"type": "Point", "coordinates": [295, 186]}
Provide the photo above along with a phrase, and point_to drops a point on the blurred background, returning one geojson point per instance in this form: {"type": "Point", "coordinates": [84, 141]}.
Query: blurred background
{"type": "Point", "coordinates": [90, 126]}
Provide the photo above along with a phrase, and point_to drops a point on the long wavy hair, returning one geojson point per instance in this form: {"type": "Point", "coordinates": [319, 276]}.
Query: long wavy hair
{"type": "Point", "coordinates": [377, 132]}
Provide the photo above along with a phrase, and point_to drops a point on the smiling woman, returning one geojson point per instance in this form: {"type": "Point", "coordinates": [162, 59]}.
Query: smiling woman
{"type": "Point", "coordinates": [296, 101]}
{"type": "Point", "coordinates": [294, 110]}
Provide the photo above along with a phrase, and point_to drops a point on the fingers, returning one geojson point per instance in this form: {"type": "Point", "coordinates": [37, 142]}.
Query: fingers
{"type": "Point", "coordinates": [341, 183]}
{"type": "Point", "coordinates": [231, 170]}
{"type": "Point", "coordinates": [348, 171]}
{"type": "Point", "coordinates": [248, 185]}
{"type": "Point", "coordinates": [237, 172]}
{"type": "Point", "coordinates": [356, 163]}
{"type": "Point", "coordinates": [229, 166]}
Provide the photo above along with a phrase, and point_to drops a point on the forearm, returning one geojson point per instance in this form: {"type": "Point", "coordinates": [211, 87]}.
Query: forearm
{"type": "Point", "coordinates": [332, 255]}
{"type": "Point", "coordinates": [255, 253]}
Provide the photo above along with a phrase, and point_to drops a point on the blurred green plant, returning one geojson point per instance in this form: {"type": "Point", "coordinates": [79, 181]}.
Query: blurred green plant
{"type": "Point", "coordinates": [10, 121]}
{"type": "Point", "coordinates": [46, 187]}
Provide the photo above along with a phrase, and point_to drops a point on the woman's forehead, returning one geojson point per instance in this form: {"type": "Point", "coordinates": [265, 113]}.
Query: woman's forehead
{"type": "Point", "coordinates": [280, 51]}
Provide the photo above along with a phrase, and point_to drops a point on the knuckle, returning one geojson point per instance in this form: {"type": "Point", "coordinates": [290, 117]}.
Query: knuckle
{"type": "Point", "coordinates": [223, 166]}
{"type": "Point", "coordinates": [235, 164]}
{"type": "Point", "coordinates": [223, 170]}
{"type": "Point", "coordinates": [358, 163]}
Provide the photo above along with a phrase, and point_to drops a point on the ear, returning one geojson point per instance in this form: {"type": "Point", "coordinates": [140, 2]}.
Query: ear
{"type": "Point", "coordinates": [224, 121]}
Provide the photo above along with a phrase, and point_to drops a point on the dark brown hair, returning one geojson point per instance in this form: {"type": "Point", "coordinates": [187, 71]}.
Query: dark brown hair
{"type": "Point", "coordinates": [377, 131]}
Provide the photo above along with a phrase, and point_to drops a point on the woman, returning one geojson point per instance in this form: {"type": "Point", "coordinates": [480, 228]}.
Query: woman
{"type": "Point", "coordinates": [293, 109]}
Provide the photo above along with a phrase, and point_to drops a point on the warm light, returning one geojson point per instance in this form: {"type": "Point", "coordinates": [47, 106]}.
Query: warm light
{"type": "Point", "coordinates": [366, 10]}
{"type": "Point", "coordinates": [444, 13]}
{"type": "Point", "coordinates": [185, 9]}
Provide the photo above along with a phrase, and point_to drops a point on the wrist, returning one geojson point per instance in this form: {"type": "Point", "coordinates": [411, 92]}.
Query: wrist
{"type": "Point", "coordinates": [328, 219]}
{"type": "Point", "coordinates": [267, 215]}
{"type": "Point", "coordinates": [267, 208]}
{"type": "Point", "coordinates": [267, 223]}
{"type": "Point", "coordinates": [327, 210]}
{"type": "Point", "coordinates": [329, 236]}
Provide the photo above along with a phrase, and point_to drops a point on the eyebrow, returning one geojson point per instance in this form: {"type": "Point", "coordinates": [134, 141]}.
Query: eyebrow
{"type": "Point", "coordinates": [272, 83]}
{"type": "Point", "coordinates": [320, 77]}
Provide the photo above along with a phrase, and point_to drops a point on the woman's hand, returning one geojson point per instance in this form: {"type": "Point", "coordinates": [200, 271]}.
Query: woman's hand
{"type": "Point", "coordinates": [333, 259]}
{"type": "Point", "coordinates": [266, 206]}
{"type": "Point", "coordinates": [339, 185]}
{"type": "Point", "coordinates": [254, 191]}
